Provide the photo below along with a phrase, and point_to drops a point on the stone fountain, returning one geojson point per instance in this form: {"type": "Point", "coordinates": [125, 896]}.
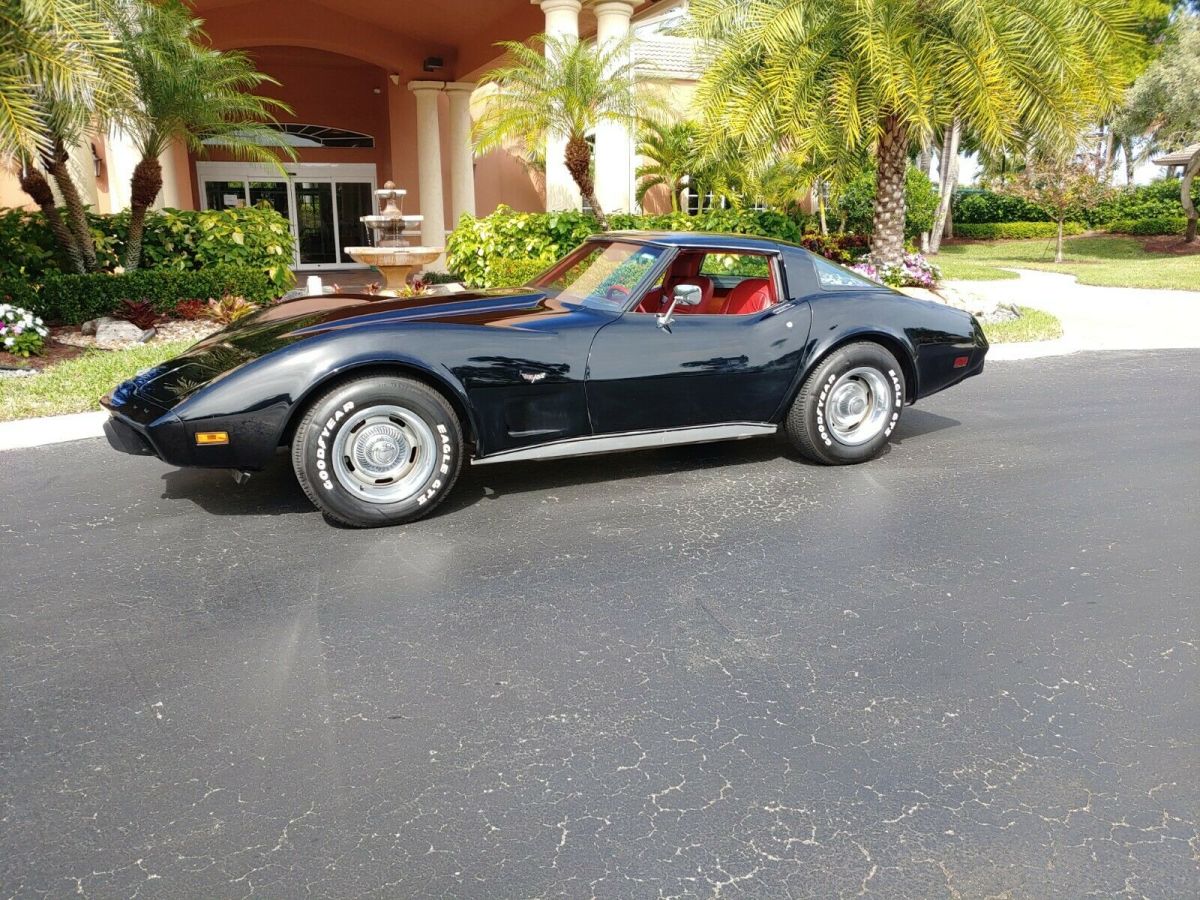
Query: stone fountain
{"type": "Point", "coordinates": [391, 255]}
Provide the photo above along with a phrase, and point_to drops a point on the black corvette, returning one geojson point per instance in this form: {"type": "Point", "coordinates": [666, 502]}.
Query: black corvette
{"type": "Point", "coordinates": [634, 340]}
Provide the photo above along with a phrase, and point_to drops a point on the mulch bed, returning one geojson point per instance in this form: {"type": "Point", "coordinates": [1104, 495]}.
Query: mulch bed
{"type": "Point", "coordinates": [52, 353]}
{"type": "Point", "coordinates": [1171, 243]}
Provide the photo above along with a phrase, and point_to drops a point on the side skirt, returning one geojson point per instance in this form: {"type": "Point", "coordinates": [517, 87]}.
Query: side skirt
{"type": "Point", "coordinates": [632, 440]}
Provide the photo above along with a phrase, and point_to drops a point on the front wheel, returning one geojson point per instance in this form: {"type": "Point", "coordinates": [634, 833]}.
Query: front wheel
{"type": "Point", "coordinates": [379, 450]}
{"type": "Point", "coordinates": [848, 406]}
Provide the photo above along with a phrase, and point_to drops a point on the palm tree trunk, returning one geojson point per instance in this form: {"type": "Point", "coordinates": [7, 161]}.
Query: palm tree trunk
{"type": "Point", "coordinates": [1185, 196]}
{"type": "Point", "coordinates": [144, 188]}
{"type": "Point", "coordinates": [887, 232]}
{"type": "Point", "coordinates": [578, 158]}
{"type": "Point", "coordinates": [57, 166]}
{"type": "Point", "coordinates": [1127, 152]}
{"type": "Point", "coordinates": [1058, 244]}
{"type": "Point", "coordinates": [949, 181]}
{"type": "Point", "coordinates": [34, 183]}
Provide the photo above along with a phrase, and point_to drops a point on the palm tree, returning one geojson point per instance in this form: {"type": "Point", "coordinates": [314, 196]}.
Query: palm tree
{"type": "Point", "coordinates": [62, 73]}
{"type": "Point", "coordinates": [820, 79]}
{"type": "Point", "coordinates": [191, 93]}
{"type": "Point", "coordinates": [566, 90]}
{"type": "Point", "coordinates": [57, 55]}
{"type": "Point", "coordinates": [669, 151]}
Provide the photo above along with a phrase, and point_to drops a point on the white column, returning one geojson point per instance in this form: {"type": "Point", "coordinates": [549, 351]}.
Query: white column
{"type": "Point", "coordinates": [429, 162]}
{"type": "Point", "coordinates": [562, 20]}
{"type": "Point", "coordinates": [462, 157]}
{"type": "Point", "coordinates": [614, 143]}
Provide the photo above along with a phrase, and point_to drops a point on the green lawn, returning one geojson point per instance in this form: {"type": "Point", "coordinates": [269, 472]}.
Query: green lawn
{"type": "Point", "coordinates": [1034, 325]}
{"type": "Point", "coordinates": [77, 384]}
{"type": "Point", "coordinates": [1107, 260]}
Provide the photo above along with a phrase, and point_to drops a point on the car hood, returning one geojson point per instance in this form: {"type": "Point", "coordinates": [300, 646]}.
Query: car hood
{"type": "Point", "coordinates": [296, 320]}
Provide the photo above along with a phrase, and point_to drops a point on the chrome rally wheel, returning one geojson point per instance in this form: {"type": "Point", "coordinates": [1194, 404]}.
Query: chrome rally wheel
{"type": "Point", "coordinates": [859, 406]}
{"type": "Point", "coordinates": [378, 450]}
{"type": "Point", "coordinates": [384, 454]}
{"type": "Point", "coordinates": [848, 406]}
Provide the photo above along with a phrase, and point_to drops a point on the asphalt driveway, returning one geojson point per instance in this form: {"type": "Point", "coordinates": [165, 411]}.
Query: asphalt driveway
{"type": "Point", "coordinates": [969, 668]}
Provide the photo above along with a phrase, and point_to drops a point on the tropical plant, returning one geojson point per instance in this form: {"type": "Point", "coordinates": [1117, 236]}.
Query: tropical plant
{"type": "Point", "coordinates": [669, 151]}
{"type": "Point", "coordinates": [1164, 103]}
{"type": "Point", "coordinates": [829, 81]}
{"type": "Point", "coordinates": [566, 91]}
{"type": "Point", "coordinates": [229, 309]}
{"type": "Point", "coordinates": [191, 93]}
{"type": "Point", "coordinates": [58, 56]}
{"type": "Point", "coordinates": [138, 312]}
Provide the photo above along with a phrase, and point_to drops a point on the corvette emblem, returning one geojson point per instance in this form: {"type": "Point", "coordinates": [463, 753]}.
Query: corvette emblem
{"type": "Point", "coordinates": [533, 377]}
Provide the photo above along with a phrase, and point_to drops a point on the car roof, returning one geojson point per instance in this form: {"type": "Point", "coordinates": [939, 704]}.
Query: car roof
{"type": "Point", "coordinates": [700, 239]}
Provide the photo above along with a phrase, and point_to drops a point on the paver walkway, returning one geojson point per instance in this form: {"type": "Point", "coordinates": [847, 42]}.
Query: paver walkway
{"type": "Point", "coordinates": [1096, 318]}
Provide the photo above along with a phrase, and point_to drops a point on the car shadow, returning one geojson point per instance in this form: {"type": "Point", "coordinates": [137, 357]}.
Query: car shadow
{"type": "Point", "coordinates": [274, 491]}
{"type": "Point", "coordinates": [920, 422]}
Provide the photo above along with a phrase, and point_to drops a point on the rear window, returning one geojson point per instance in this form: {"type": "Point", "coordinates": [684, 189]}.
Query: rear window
{"type": "Point", "coordinates": [831, 275]}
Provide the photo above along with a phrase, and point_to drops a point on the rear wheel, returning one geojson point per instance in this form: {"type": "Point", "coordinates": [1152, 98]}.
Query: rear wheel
{"type": "Point", "coordinates": [849, 405]}
{"type": "Point", "coordinates": [379, 450]}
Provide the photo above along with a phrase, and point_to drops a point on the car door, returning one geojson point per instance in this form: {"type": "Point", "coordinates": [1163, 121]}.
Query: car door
{"type": "Point", "coordinates": [702, 369]}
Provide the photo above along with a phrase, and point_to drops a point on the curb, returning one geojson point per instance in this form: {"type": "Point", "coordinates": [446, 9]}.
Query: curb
{"type": "Point", "coordinates": [22, 433]}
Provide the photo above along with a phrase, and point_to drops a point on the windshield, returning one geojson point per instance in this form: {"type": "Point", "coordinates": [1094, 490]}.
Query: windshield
{"type": "Point", "coordinates": [600, 273]}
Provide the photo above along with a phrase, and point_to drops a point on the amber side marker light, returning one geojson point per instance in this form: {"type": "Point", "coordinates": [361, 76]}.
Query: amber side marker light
{"type": "Point", "coordinates": [208, 438]}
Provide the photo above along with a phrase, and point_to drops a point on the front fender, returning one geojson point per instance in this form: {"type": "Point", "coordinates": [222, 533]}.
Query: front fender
{"type": "Point", "coordinates": [256, 403]}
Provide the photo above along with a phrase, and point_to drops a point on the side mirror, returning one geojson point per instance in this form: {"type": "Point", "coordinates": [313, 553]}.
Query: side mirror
{"type": "Point", "coordinates": [684, 295]}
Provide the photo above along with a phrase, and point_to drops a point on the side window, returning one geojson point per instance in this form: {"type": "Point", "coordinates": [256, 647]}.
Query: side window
{"type": "Point", "coordinates": [735, 265]}
{"type": "Point", "coordinates": [831, 275]}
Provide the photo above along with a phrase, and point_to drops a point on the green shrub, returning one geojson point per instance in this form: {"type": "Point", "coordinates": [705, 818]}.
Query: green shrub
{"type": "Point", "coordinates": [509, 247]}
{"type": "Point", "coordinates": [1156, 225]}
{"type": "Point", "coordinates": [513, 271]}
{"type": "Point", "coordinates": [177, 240]}
{"type": "Point", "coordinates": [27, 248]}
{"type": "Point", "coordinates": [974, 206]}
{"type": "Point", "coordinates": [854, 208]}
{"type": "Point", "coordinates": [1013, 230]}
{"type": "Point", "coordinates": [1157, 200]}
{"type": "Point", "coordinates": [73, 299]}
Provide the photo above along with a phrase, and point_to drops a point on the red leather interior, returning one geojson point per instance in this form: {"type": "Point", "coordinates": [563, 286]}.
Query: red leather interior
{"type": "Point", "coordinates": [684, 270]}
{"type": "Point", "coordinates": [749, 296]}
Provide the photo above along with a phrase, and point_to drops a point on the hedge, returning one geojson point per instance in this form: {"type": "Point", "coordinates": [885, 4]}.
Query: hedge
{"type": "Point", "coordinates": [179, 240]}
{"type": "Point", "coordinates": [1157, 225]}
{"type": "Point", "coordinates": [1013, 230]}
{"type": "Point", "coordinates": [973, 206]}
{"type": "Point", "coordinates": [1157, 200]}
{"type": "Point", "coordinates": [73, 299]}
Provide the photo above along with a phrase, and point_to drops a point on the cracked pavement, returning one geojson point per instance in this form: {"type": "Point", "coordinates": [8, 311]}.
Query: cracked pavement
{"type": "Point", "coordinates": [966, 669]}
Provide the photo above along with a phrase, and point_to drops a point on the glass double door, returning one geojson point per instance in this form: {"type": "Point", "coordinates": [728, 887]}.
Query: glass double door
{"type": "Point", "coordinates": [324, 212]}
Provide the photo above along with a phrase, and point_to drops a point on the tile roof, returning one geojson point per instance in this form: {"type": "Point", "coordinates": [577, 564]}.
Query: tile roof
{"type": "Point", "coordinates": [670, 57]}
{"type": "Point", "coordinates": [1178, 158]}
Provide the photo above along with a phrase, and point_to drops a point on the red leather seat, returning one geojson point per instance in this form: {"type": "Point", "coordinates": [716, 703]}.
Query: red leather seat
{"type": "Point", "coordinates": [750, 295]}
{"type": "Point", "coordinates": [684, 270]}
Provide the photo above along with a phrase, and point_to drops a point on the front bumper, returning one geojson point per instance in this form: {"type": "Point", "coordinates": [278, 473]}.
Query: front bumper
{"type": "Point", "coordinates": [124, 437]}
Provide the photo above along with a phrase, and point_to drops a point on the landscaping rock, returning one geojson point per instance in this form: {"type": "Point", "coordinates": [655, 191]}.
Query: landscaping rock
{"type": "Point", "coordinates": [116, 334]}
{"type": "Point", "coordinates": [88, 327]}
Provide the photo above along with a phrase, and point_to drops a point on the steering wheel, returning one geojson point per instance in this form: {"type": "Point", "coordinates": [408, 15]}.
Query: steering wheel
{"type": "Point", "coordinates": [617, 293]}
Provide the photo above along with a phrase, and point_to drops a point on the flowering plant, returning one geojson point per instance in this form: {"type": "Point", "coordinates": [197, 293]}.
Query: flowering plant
{"type": "Point", "coordinates": [21, 332]}
{"type": "Point", "coordinates": [915, 271]}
